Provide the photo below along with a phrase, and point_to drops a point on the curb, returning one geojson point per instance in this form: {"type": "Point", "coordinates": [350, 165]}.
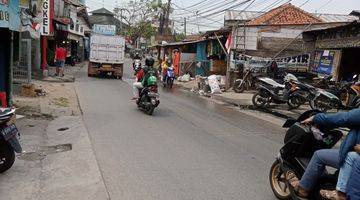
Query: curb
{"type": "Point", "coordinates": [241, 106]}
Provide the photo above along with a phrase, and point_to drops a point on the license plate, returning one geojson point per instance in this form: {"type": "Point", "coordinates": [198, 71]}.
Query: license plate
{"type": "Point", "coordinates": [106, 66]}
{"type": "Point", "coordinates": [9, 132]}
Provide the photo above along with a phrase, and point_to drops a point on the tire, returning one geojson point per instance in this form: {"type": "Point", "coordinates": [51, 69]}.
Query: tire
{"type": "Point", "coordinates": [256, 103]}
{"type": "Point", "coordinates": [7, 156]}
{"type": "Point", "coordinates": [294, 102]}
{"type": "Point", "coordinates": [279, 187]}
{"type": "Point", "coordinates": [239, 88]}
{"type": "Point", "coordinates": [315, 104]}
{"type": "Point", "coordinates": [150, 110]}
{"type": "Point", "coordinates": [170, 83]}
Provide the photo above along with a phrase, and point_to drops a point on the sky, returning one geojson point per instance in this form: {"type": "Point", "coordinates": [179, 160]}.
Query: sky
{"type": "Point", "coordinates": [211, 17]}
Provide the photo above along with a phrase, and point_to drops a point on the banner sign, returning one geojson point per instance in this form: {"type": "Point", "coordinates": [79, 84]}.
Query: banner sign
{"type": "Point", "coordinates": [104, 29]}
{"type": "Point", "coordinates": [46, 15]}
{"type": "Point", "coordinates": [10, 14]}
{"type": "Point", "coordinates": [324, 61]}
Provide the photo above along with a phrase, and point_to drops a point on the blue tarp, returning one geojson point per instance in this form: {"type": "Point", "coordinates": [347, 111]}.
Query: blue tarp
{"type": "Point", "coordinates": [202, 58]}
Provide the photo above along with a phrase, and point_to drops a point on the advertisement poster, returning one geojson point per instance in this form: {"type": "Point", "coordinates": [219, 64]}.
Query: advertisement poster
{"type": "Point", "coordinates": [10, 14]}
{"type": "Point", "coordinates": [325, 61]}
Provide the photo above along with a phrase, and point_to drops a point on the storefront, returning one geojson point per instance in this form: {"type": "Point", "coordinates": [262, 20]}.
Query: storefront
{"type": "Point", "coordinates": [335, 50]}
{"type": "Point", "coordinates": [9, 29]}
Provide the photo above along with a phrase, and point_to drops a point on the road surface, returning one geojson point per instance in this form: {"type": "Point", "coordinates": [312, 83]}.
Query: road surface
{"type": "Point", "coordinates": [191, 148]}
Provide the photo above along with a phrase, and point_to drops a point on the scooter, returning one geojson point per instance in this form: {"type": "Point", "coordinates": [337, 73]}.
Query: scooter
{"type": "Point", "coordinates": [148, 98]}
{"type": "Point", "coordinates": [169, 78]}
{"type": "Point", "coordinates": [270, 91]}
{"type": "Point", "coordinates": [9, 143]}
{"type": "Point", "coordinates": [300, 143]}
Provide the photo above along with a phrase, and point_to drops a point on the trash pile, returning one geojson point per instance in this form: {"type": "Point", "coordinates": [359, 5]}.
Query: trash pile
{"type": "Point", "coordinates": [213, 84]}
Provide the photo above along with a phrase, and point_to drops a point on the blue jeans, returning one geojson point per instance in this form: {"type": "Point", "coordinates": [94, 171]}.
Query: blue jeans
{"type": "Point", "coordinates": [353, 189]}
{"type": "Point", "coordinates": [345, 171]}
{"type": "Point", "coordinates": [316, 167]}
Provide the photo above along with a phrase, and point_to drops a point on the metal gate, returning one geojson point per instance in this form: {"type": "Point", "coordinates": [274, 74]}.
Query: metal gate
{"type": "Point", "coordinates": [22, 70]}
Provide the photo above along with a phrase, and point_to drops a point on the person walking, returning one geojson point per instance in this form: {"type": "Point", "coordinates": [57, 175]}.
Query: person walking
{"type": "Point", "coordinates": [60, 56]}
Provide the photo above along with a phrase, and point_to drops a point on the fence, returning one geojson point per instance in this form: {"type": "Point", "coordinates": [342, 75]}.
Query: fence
{"type": "Point", "coordinates": [22, 69]}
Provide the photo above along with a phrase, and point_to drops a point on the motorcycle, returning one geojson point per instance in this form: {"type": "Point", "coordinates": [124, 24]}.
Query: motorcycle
{"type": "Point", "coordinates": [148, 98]}
{"type": "Point", "coordinates": [248, 81]}
{"type": "Point", "coordinates": [169, 78]}
{"type": "Point", "coordinates": [300, 143]}
{"type": "Point", "coordinates": [136, 65]}
{"type": "Point", "coordinates": [9, 143]}
{"type": "Point", "coordinates": [323, 100]}
{"type": "Point", "coordinates": [271, 91]}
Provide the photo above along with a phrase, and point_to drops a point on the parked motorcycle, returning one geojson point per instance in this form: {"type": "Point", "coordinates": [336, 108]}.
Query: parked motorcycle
{"type": "Point", "coordinates": [169, 78]}
{"type": "Point", "coordinates": [323, 100]}
{"type": "Point", "coordinates": [249, 80]}
{"type": "Point", "coordinates": [149, 97]}
{"type": "Point", "coordinates": [300, 143]}
{"type": "Point", "coordinates": [9, 143]}
{"type": "Point", "coordinates": [270, 91]}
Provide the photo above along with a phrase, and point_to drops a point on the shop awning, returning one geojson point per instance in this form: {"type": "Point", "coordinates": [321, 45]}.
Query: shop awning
{"type": "Point", "coordinates": [64, 21]}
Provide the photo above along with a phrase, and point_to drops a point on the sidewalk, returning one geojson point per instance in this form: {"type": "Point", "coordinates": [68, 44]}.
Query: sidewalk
{"type": "Point", "coordinates": [244, 101]}
{"type": "Point", "coordinates": [70, 73]}
{"type": "Point", "coordinates": [58, 161]}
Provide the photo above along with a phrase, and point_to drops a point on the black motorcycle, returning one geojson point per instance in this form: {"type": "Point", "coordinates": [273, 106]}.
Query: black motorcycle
{"type": "Point", "coordinates": [148, 99]}
{"type": "Point", "coordinates": [9, 143]}
{"type": "Point", "coordinates": [300, 143]}
{"type": "Point", "coordinates": [270, 91]}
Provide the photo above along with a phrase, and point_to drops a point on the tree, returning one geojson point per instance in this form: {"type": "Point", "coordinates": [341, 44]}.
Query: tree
{"type": "Point", "coordinates": [141, 16]}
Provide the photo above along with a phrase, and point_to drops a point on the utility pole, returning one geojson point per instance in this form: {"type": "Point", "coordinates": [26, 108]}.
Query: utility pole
{"type": "Point", "coordinates": [167, 16]}
{"type": "Point", "coordinates": [185, 26]}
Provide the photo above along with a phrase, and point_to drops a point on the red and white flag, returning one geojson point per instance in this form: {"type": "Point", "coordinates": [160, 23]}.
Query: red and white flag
{"type": "Point", "coordinates": [228, 43]}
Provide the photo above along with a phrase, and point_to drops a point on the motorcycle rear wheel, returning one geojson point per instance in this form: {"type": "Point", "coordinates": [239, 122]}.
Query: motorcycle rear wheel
{"type": "Point", "coordinates": [318, 104]}
{"type": "Point", "coordinates": [278, 181]}
{"type": "Point", "coordinates": [7, 156]}
{"type": "Point", "coordinates": [150, 110]}
{"type": "Point", "coordinates": [239, 87]}
{"type": "Point", "coordinates": [259, 101]}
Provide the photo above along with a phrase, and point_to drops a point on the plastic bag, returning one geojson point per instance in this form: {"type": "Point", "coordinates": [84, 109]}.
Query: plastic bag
{"type": "Point", "coordinates": [214, 85]}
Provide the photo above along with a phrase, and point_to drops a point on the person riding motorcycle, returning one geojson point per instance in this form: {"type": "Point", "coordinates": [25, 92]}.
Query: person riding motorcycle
{"type": "Point", "coordinates": [336, 158]}
{"type": "Point", "coordinates": [142, 77]}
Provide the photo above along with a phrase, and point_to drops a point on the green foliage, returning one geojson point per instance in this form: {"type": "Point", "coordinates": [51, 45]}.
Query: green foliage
{"type": "Point", "coordinates": [180, 37]}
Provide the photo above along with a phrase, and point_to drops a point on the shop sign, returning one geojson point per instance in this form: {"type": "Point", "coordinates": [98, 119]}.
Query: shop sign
{"type": "Point", "coordinates": [324, 61]}
{"type": "Point", "coordinates": [104, 29]}
{"type": "Point", "coordinates": [10, 14]}
{"type": "Point", "coordinates": [46, 21]}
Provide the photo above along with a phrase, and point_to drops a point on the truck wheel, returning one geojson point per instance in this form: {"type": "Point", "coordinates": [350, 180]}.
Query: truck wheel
{"type": "Point", "coordinates": [7, 156]}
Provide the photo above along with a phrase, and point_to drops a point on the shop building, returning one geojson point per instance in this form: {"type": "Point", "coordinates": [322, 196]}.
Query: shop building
{"type": "Point", "coordinates": [335, 50]}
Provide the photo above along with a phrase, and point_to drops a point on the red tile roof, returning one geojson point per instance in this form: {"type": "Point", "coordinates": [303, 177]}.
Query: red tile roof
{"type": "Point", "coordinates": [285, 14]}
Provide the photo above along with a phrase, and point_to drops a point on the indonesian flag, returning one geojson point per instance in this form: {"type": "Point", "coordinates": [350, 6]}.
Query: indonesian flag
{"type": "Point", "coordinates": [228, 43]}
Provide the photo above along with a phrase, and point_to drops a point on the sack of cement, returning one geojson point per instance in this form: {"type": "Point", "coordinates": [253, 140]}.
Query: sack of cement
{"type": "Point", "coordinates": [214, 84]}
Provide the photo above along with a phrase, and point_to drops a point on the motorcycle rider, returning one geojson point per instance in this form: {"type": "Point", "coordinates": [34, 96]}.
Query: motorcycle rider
{"type": "Point", "coordinates": [142, 76]}
{"type": "Point", "coordinates": [353, 188]}
{"type": "Point", "coordinates": [329, 157]}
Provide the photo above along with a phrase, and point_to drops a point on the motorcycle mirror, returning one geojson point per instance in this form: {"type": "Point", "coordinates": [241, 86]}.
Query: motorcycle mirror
{"type": "Point", "coordinates": [289, 122]}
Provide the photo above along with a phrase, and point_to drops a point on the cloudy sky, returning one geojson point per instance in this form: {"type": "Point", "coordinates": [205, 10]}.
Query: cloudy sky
{"type": "Point", "coordinates": [204, 15]}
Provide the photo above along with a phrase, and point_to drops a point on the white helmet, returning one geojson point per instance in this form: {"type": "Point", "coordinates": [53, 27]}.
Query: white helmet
{"type": "Point", "coordinates": [290, 77]}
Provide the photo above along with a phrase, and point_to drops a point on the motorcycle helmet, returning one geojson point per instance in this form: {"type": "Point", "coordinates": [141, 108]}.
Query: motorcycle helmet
{"type": "Point", "coordinates": [149, 61]}
{"type": "Point", "coordinates": [290, 77]}
{"type": "Point", "coordinates": [152, 80]}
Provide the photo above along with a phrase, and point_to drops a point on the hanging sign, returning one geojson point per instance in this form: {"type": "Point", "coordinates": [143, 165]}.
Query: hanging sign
{"type": "Point", "coordinates": [46, 21]}
{"type": "Point", "coordinates": [9, 14]}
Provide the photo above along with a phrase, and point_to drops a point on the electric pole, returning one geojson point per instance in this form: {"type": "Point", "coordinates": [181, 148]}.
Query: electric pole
{"type": "Point", "coordinates": [167, 16]}
{"type": "Point", "coordinates": [185, 26]}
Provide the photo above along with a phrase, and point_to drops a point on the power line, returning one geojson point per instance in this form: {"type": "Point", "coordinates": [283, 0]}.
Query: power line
{"type": "Point", "coordinates": [231, 7]}
{"type": "Point", "coordinates": [210, 19]}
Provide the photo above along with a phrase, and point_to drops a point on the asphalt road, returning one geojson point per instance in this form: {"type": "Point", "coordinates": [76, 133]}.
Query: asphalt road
{"type": "Point", "coordinates": [191, 148]}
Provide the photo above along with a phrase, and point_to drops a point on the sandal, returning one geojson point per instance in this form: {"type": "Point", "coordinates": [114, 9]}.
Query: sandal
{"type": "Point", "coordinates": [331, 195]}
{"type": "Point", "coordinates": [295, 185]}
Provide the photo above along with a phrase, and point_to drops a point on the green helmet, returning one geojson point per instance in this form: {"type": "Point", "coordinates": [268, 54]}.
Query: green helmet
{"type": "Point", "coordinates": [152, 80]}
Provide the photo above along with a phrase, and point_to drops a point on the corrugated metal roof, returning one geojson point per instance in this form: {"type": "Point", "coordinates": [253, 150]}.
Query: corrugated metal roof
{"type": "Point", "coordinates": [335, 17]}
{"type": "Point", "coordinates": [249, 15]}
{"type": "Point", "coordinates": [241, 15]}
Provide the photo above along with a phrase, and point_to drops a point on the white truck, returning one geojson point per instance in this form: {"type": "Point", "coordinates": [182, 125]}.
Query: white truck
{"type": "Point", "coordinates": [107, 55]}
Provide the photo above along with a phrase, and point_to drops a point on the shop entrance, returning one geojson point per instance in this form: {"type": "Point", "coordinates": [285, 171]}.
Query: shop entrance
{"type": "Point", "coordinates": [4, 64]}
{"type": "Point", "coordinates": [350, 63]}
